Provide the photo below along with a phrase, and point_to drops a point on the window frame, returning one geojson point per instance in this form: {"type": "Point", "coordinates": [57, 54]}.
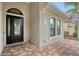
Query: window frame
{"type": "Point", "coordinates": [58, 27]}
{"type": "Point", "coordinates": [54, 27]}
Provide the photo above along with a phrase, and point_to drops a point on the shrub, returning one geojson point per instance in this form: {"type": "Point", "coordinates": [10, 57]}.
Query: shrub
{"type": "Point", "coordinates": [75, 35]}
{"type": "Point", "coordinates": [65, 34]}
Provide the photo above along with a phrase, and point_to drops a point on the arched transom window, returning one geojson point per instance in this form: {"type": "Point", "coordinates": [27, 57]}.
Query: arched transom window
{"type": "Point", "coordinates": [14, 11]}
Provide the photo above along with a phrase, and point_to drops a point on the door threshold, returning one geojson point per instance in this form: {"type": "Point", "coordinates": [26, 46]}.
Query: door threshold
{"type": "Point", "coordinates": [14, 44]}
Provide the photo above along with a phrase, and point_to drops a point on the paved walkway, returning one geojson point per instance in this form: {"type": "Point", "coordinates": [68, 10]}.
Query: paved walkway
{"type": "Point", "coordinates": [70, 37]}
{"type": "Point", "coordinates": [59, 48]}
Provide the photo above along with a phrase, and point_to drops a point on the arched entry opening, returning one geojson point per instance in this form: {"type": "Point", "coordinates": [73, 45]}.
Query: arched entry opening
{"type": "Point", "coordinates": [14, 26]}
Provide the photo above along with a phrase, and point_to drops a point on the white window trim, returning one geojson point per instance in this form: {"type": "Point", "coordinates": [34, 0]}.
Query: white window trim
{"type": "Point", "coordinates": [14, 14]}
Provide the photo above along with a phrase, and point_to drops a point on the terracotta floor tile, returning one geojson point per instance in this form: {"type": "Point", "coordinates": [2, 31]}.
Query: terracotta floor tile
{"type": "Point", "coordinates": [59, 48]}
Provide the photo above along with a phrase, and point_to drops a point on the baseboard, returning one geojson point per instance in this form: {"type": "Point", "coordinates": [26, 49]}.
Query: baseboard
{"type": "Point", "coordinates": [15, 44]}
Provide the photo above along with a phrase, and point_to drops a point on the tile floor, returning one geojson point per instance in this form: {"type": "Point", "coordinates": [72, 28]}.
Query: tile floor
{"type": "Point", "coordinates": [59, 48]}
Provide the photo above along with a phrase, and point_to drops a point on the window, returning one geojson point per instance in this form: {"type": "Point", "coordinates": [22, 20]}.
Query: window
{"type": "Point", "coordinates": [17, 26]}
{"type": "Point", "coordinates": [14, 11]}
{"type": "Point", "coordinates": [58, 27]}
{"type": "Point", "coordinates": [52, 27]}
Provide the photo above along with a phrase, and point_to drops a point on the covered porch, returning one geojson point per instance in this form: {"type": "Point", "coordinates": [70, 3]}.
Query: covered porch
{"type": "Point", "coordinates": [43, 25]}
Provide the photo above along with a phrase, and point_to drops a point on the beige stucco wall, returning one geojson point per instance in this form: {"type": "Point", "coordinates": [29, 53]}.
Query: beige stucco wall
{"type": "Point", "coordinates": [65, 26]}
{"type": "Point", "coordinates": [45, 29]}
{"type": "Point", "coordinates": [25, 9]}
{"type": "Point", "coordinates": [40, 34]}
{"type": "Point", "coordinates": [1, 28]}
{"type": "Point", "coordinates": [71, 28]}
{"type": "Point", "coordinates": [34, 9]}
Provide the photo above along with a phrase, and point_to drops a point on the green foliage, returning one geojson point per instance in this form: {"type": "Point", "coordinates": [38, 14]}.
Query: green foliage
{"type": "Point", "coordinates": [65, 34]}
{"type": "Point", "coordinates": [71, 12]}
{"type": "Point", "coordinates": [75, 35]}
{"type": "Point", "coordinates": [71, 3]}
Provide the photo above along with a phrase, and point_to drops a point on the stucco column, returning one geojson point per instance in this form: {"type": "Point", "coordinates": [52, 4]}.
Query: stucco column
{"type": "Point", "coordinates": [56, 28]}
{"type": "Point", "coordinates": [78, 29]}
{"type": "Point", "coordinates": [62, 29]}
{"type": "Point", "coordinates": [1, 28]}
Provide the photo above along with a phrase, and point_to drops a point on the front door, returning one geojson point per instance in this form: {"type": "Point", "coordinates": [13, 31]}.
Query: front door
{"type": "Point", "coordinates": [14, 29]}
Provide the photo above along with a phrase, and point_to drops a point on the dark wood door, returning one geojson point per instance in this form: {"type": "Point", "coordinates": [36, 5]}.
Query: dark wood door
{"type": "Point", "coordinates": [14, 29]}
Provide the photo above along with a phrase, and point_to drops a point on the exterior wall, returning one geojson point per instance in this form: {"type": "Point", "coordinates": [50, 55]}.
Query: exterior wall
{"type": "Point", "coordinates": [45, 29]}
{"type": "Point", "coordinates": [65, 27]}
{"type": "Point", "coordinates": [40, 34]}
{"type": "Point", "coordinates": [1, 28]}
{"type": "Point", "coordinates": [34, 9]}
{"type": "Point", "coordinates": [71, 28]}
{"type": "Point", "coordinates": [25, 9]}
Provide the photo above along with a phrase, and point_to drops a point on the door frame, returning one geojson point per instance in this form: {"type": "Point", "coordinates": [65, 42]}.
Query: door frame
{"type": "Point", "coordinates": [7, 27]}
